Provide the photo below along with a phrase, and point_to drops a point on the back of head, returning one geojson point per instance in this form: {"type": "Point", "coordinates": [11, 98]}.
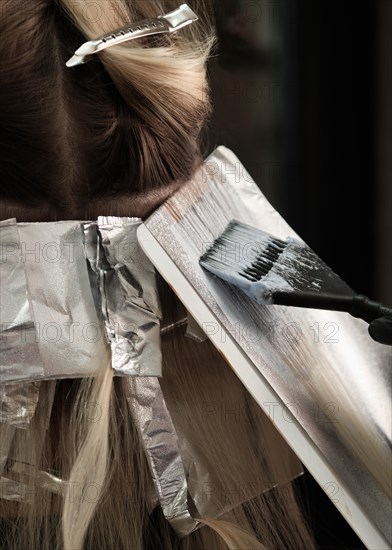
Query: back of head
{"type": "Point", "coordinates": [123, 124]}
{"type": "Point", "coordinates": [116, 136]}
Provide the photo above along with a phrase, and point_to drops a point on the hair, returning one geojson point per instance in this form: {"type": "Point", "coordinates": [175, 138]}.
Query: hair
{"type": "Point", "coordinates": [107, 138]}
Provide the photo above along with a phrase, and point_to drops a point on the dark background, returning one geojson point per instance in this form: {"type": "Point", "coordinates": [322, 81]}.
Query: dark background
{"type": "Point", "coordinates": [302, 94]}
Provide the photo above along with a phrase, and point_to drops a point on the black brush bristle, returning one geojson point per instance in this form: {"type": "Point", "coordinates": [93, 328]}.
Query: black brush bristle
{"type": "Point", "coordinates": [264, 262]}
{"type": "Point", "coordinates": [227, 251]}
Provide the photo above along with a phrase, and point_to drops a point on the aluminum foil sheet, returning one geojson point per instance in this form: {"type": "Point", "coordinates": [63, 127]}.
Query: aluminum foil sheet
{"type": "Point", "coordinates": [130, 301]}
{"type": "Point", "coordinates": [20, 357]}
{"type": "Point", "coordinates": [61, 282]}
{"type": "Point", "coordinates": [19, 475]}
{"type": "Point", "coordinates": [21, 484]}
{"type": "Point", "coordinates": [18, 403]}
{"type": "Point", "coordinates": [334, 379]}
{"type": "Point", "coordinates": [212, 498]}
{"type": "Point", "coordinates": [149, 409]}
{"type": "Point", "coordinates": [91, 244]}
{"type": "Point", "coordinates": [19, 347]}
{"type": "Point", "coordinates": [66, 331]}
{"type": "Point", "coordinates": [194, 331]}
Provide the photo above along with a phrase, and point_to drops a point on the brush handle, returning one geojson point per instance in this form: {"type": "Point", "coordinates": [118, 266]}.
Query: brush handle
{"type": "Point", "coordinates": [357, 305]}
{"type": "Point", "coordinates": [368, 310]}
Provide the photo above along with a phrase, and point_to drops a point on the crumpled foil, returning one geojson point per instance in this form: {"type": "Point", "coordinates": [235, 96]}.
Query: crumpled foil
{"type": "Point", "coordinates": [18, 403]}
{"type": "Point", "coordinates": [20, 484]}
{"type": "Point", "coordinates": [19, 476]}
{"type": "Point", "coordinates": [65, 338]}
{"type": "Point", "coordinates": [20, 357]}
{"type": "Point", "coordinates": [19, 347]}
{"type": "Point", "coordinates": [149, 409]}
{"type": "Point", "coordinates": [130, 302]}
{"type": "Point", "coordinates": [79, 279]}
{"type": "Point", "coordinates": [320, 363]}
{"type": "Point", "coordinates": [52, 325]}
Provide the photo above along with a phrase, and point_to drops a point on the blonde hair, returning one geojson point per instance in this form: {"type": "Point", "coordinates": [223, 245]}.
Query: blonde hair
{"type": "Point", "coordinates": [126, 123]}
{"type": "Point", "coordinates": [91, 463]}
{"type": "Point", "coordinates": [97, 450]}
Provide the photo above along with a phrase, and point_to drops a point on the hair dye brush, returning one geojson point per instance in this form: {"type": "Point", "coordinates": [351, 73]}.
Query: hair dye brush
{"type": "Point", "coordinates": [272, 271]}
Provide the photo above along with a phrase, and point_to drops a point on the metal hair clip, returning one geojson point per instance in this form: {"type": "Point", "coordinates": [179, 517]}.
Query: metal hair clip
{"type": "Point", "coordinates": [169, 23]}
